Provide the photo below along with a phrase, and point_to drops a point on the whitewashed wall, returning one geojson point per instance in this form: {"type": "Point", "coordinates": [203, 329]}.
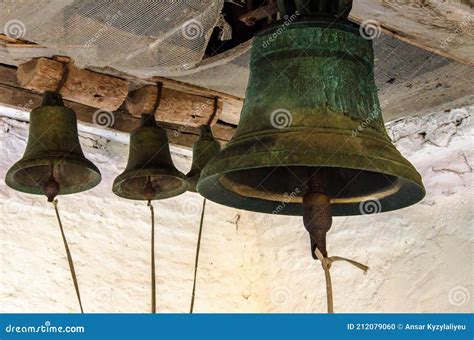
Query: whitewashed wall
{"type": "Point", "coordinates": [420, 258]}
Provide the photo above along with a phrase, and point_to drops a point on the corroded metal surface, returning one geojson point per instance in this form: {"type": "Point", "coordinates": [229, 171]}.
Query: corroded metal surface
{"type": "Point", "coordinates": [149, 160]}
{"type": "Point", "coordinates": [204, 149]}
{"type": "Point", "coordinates": [53, 150]}
{"type": "Point", "coordinates": [311, 102]}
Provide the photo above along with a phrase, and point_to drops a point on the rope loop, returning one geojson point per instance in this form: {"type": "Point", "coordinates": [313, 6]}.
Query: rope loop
{"type": "Point", "coordinates": [326, 263]}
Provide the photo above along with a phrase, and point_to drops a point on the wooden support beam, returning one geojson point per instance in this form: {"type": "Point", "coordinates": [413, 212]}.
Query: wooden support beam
{"type": "Point", "coordinates": [442, 27]}
{"type": "Point", "coordinates": [175, 106]}
{"type": "Point", "coordinates": [13, 95]}
{"type": "Point", "coordinates": [81, 86]}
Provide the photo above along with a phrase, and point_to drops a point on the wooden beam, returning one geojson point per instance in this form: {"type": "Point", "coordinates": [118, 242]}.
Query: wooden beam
{"type": "Point", "coordinates": [80, 85]}
{"type": "Point", "coordinates": [40, 74]}
{"type": "Point", "coordinates": [442, 27]}
{"type": "Point", "coordinates": [11, 94]}
{"type": "Point", "coordinates": [175, 106]}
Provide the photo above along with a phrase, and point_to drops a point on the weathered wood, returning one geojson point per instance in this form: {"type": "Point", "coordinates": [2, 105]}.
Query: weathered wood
{"type": "Point", "coordinates": [262, 12]}
{"type": "Point", "coordinates": [14, 96]}
{"type": "Point", "coordinates": [82, 86]}
{"type": "Point", "coordinates": [142, 100]}
{"type": "Point", "coordinates": [223, 132]}
{"type": "Point", "coordinates": [231, 105]}
{"type": "Point", "coordinates": [25, 100]}
{"type": "Point", "coordinates": [40, 74]}
{"type": "Point", "coordinates": [190, 88]}
{"type": "Point", "coordinates": [175, 106]}
{"type": "Point", "coordinates": [231, 112]}
{"type": "Point", "coordinates": [442, 27]}
{"type": "Point", "coordinates": [445, 88]}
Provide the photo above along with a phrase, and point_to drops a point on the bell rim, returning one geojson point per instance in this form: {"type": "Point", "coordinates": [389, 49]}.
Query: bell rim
{"type": "Point", "coordinates": [127, 175]}
{"type": "Point", "coordinates": [222, 195]}
{"type": "Point", "coordinates": [209, 185]}
{"type": "Point", "coordinates": [25, 163]}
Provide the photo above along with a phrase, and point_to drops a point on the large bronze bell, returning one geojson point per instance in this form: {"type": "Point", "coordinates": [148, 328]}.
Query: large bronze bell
{"type": "Point", "coordinates": [150, 173]}
{"type": "Point", "coordinates": [204, 149]}
{"type": "Point", "coordinates": [311, 110]}
{"type": "Point", "coordinates": [53, 162]}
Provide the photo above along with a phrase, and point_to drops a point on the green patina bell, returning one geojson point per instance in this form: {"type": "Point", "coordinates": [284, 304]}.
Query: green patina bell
{"type": "Point", "coordinates": [150, 173]}
{"type": "Point", "coordinates": [311, 104]}
{"type": "Point", "coordinates": [203, 150]}
{"type": "Point", "coordinates": [53, 162]}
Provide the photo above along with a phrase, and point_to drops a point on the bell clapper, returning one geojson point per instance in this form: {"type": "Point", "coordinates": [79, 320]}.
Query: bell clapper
{"type": "Point", "coordinates": [317, 216]}
{"type": "Point", "coordinates": [50, 187]}
{"type": "Point", "coordinates": [149, 192]}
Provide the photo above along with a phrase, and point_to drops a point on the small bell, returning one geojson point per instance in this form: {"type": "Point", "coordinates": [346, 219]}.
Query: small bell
{"type": "Point", "coordinates": [53, 162]}
{"type": "Point", "coordinates": [204, 149]}
{"type": "Point", "coordinates": [149, 166]}
{"type": "Point", "coordinates": [150, 175]}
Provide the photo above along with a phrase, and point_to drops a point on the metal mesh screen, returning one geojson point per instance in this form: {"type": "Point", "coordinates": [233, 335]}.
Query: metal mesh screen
{"type": "Point", "coordinates": [140, 37]}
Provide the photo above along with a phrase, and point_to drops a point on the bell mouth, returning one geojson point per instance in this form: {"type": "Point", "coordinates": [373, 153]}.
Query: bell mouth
{"type": "Point", "coordinates": [272, 176]}
{"type": "Point", "coordinates": [73, 174]}
{"type": "Point", "coordinates": [289, 184]}
{"type": "Point", "coordinates": [279, 190]}
{"type": "Point", "coordinates": [132, 184]}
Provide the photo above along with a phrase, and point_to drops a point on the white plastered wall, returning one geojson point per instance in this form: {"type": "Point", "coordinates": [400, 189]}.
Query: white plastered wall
{"type": "Point", "coordinates": [420, 258]}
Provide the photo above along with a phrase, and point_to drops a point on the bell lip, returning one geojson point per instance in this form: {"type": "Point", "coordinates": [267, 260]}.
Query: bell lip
{"type": "Point", "coordinates": [45, 161]}
{"type": "Point", "coordinates": [125, 176]}
{"type": "Point", "coordinates": [209, 185]}
{"type": "Point", "coordinates": [211, 188]}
